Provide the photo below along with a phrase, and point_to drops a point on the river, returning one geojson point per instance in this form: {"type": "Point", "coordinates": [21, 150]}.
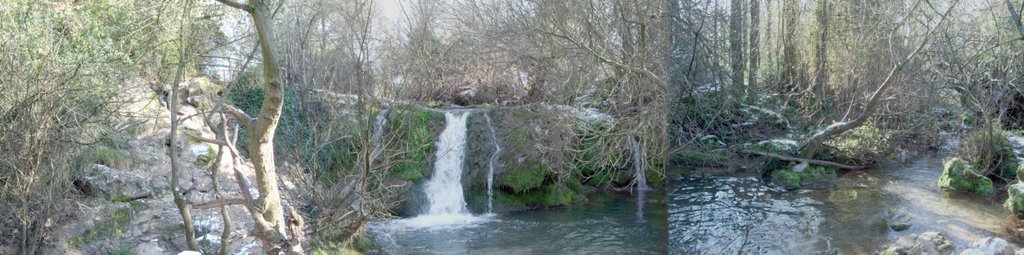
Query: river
{"type": "Point", "coordinates": [742, 214]}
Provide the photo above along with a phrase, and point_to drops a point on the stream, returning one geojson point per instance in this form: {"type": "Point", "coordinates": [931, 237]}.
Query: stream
{"type": "Point", "coordinates": [609, 223]}
{"type": "Point", "coordinates": [744, 215]}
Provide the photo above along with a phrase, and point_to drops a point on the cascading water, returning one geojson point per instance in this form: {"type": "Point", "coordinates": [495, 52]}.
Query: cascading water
{"type": "Point", "coordinates": [640, 177]}
{"type": "Point", "coordinates": [378, 132]}
{"type": "Point", "coordinates": [490, 165]}
{"type": "Point", "coordinates": [447, 206]}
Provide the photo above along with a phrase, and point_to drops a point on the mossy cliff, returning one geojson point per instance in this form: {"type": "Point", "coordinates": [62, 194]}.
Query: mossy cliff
{"type": "Point", "coordinates": [550, 156]}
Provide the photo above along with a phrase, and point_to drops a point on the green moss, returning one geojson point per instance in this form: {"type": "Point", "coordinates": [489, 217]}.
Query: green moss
{"type": "Point", "coordinates": [696, 158]}
{"type": "Point", "coordinates": [958, 175]}
{"type": "Point", "coordinates": [1015, 198]}
{"type": "Point", "coordinates": [790, 179]}
{"type": "Point", "coordinates": [112, 158]}
{"type": "Point", "coordinates": [814, 173]}
{"type": "Point", "coordinates": [550, 196]}
{"type": "Point", "coordinates": [509, 201]}
{"type": "Point", "coordinates": [119, 198]}
{"type": "Point", "coordinates": [530, 175]}
{"type": "Point", "coordinates": [412, 126]}
{"type": "Point", "coordinates": [787, 178]}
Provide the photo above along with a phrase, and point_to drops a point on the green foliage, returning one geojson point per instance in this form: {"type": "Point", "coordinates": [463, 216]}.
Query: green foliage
{"type": "Point", "coordinates": [596, 160]}
{"type": "Point", "coordinates": [866, 141]}
{"type": "Point", "coordinates": [411, 126]}
{"type": "Point", "coordinates": [988, 150]}
{"type": "Point", "coordinates": [113, 158]}
{"type": "Point", "coordinates": [959, 175]}
{"type": "Point", "coordinates": [246, 93]}
{"type": "Point", "coordinates": [700, 158]}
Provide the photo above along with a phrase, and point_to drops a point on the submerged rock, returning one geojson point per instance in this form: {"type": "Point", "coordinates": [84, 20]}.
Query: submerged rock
{"type": "Point", "coordinates": [925, 243]}
{"type": "Point", "coordinates": [899, 226]}
{"type": "Point", "coordinates": [958, 175]}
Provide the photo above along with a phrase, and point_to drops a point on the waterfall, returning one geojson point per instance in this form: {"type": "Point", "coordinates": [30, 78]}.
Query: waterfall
{"type": "Point", "coordinates": [447, 205]}
{"type": "Point", "coordinates": [639, 175]}
{"type": "Point", "coordinates": [378, 132]}
{"type": "Point", "coordinates": [444, 189]}
{"type": "Point", "coordinates": [490, 165]}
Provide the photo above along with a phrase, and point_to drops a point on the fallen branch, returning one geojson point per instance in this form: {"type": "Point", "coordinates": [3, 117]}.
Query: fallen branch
{"type": "Point", "coordinates": [809, 161]}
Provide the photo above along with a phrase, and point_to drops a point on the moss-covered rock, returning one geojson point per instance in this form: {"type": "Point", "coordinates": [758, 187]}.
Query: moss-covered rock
{"type": "Point", "coordinates": [1020, 172]}
{"type": "Point", "coordinates": [551, 195]}
{"type": "Point", "coordinates": [528, 177]}
{"type": "Point", "coordinates": [712, 158]}
{"type": "Point", "coordinates": [958, 175]}
{"type": "Point", "coordinates": [790, 178]}
{"type": "Point", "coordinates": [1015, 198]}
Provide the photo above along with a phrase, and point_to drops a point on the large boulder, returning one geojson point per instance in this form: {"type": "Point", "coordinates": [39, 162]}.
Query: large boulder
{"type": "Point", "coordinates": [958, 175]}
{"type": "Point", "coordinates": [1015, 198]}
{"type": "Point", "coordinates": [103, 181]}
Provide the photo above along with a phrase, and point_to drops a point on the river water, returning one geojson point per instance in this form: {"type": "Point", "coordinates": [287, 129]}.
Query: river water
{"type": "Point", "coordinates": [608, 223]}
{"type": "Point", "coordinates": [743, 215]}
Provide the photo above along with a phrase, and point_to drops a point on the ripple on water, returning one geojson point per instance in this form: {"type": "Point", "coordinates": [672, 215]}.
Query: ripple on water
{"type": "Point", "coordinates": [730, 215]}
{"type": "Point", "coordinates": [608, 224]}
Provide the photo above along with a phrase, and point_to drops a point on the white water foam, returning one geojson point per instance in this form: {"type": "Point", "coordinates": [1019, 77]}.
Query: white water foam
{"type": "Point", "coordinates": [447, 205]}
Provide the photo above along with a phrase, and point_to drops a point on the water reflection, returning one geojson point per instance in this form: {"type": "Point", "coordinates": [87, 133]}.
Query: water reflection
{"type": "Point", "coordinates": [609, 223]}
{"type": "Point", "coordinates": [734, 215]}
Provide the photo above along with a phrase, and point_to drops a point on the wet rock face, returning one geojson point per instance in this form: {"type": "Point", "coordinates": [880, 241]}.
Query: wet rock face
{"type": "Point", "coordinates": [958, 175]}
{"type": "Point", "coordinates": [105, 181]}
{"type": "Point", "coordinates": [924, 243]}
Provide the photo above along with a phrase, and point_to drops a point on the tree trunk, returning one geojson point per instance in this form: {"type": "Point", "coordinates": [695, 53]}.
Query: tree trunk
{"type": "Point", "coordinates": [736, 46]}
{"type": "Point", "coordinates": [754, 40]}
{"type": "Point", "coordinates": [790, 61]}
{"type": "Point", "coordinates": [261, 135]}
{"type": "Point", "coordinates": [183, 208]}
{"type": "Point", "coordinates": [821, 69]}
{"type": "Point", "coordinates": [1015, 17]}
{"type": "Point", "coordinates": [812, 144]}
